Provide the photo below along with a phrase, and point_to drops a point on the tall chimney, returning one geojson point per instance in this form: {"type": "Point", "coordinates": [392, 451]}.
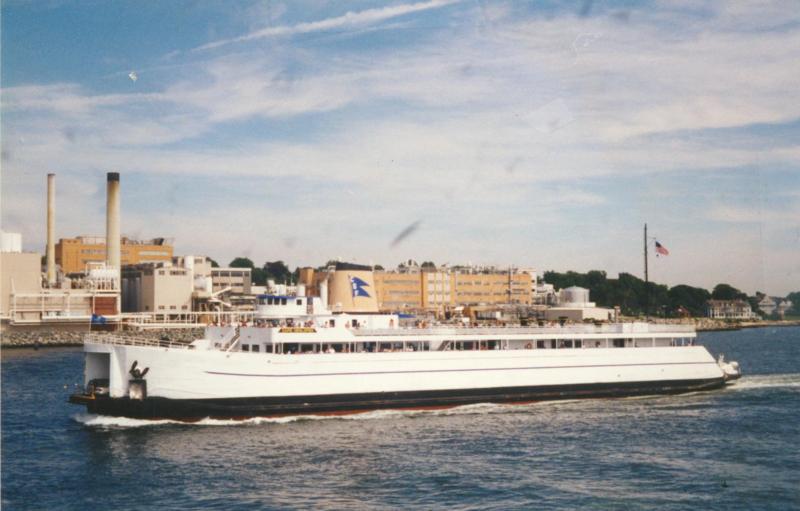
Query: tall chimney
{"type": "Point", "coordinates": [51, 230]}
{"type": "Point", "coordinates": [112, 222]}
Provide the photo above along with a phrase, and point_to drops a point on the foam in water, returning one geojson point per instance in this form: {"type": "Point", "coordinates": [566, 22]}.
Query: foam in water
{"type": "Point", "coordinates": [106, 422]}
{"type": "Point", "coordinates": [766, 381]}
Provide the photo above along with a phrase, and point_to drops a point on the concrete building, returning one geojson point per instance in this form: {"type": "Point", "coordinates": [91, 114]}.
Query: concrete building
{"type": "Point", "coordinates": [73, 254]}
{"type": "Point", "coordinates": [729, 309]}
{"type": "Point", "coordinates": [20, 273]}
{"type": "Point", "coordinates": [413, 288]}
{"type": "Point", "coordinates": [237, 279]}
{"type": "Point", "coordinates": [492, 287]}
{"type": "Point", "coordinates": [164, 289]}
{"type": "Point", "coordinates": [398, 291]}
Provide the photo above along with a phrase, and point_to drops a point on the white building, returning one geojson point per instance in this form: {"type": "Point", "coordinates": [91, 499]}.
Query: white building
{"type": "Point", "coordinates": [729, 309]}
{"type": "Point", "coordinates": [574, 305]}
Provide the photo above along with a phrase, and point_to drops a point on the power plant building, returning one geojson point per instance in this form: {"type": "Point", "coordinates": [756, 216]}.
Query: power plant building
{"type": "Point", "coordinates": [74, 254]}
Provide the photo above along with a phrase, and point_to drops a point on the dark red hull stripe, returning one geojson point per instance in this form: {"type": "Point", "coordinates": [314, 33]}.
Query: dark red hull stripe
{"type": "Point", "coordinates": [528, 368]}
{"type": "Point", "coordinates": [239, 408]}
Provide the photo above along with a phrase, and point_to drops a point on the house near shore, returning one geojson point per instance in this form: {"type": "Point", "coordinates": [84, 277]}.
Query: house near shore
{"type": "Point", "coordinates": [770, 305]}
{"type": "Point", "coordinates": [730, 309]}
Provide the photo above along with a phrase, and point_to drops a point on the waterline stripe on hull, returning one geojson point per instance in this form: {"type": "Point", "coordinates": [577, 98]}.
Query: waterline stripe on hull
{"type": "Point", "coordinates": [239, 408]}
{"type": "Point", "coordinates": [359, 373]}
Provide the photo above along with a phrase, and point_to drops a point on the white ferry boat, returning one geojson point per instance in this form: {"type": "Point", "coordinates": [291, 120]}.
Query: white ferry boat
{"type": "Point", "coordinates": [300, 358]}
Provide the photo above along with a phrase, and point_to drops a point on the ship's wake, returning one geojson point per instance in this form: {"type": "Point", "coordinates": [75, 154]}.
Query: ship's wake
{"type": "Point", "coordinates": [766, 381]}
{"type": "Point", "coordinates": [107, 422]}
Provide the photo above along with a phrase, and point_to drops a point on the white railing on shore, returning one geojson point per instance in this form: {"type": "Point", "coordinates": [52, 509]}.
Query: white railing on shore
{"type": "Point", "coordinates": [620, 328]}
{"type": "Point", "coordinates": [131, 340]}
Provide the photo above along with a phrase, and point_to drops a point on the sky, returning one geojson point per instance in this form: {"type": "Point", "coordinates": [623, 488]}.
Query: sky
{"type": "Point", "coordinates": [534, 134]}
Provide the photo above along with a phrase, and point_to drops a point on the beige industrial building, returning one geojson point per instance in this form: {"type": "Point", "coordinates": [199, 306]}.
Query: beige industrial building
{"type": "Point", "coordinates": [438, 290]}
{"type": "Point", "coordinates": [414, 289]}
{"type": "Point", "coordinates": [20, 273]}
{"type": "Point", "coordinates": [238, 280]}
{"type": "Point", "coordinates": [74, 254]}
{"type": "Point", "coordinates": [398, 291]}
{"type": "Point", "coordinates": [155, 288]}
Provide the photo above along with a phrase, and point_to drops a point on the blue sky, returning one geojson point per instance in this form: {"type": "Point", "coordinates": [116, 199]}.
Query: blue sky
{"type": "Point", "coordinates": [537, 134]}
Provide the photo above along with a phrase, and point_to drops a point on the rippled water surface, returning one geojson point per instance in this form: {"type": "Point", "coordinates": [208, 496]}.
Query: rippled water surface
{"type": "Point", "coordinates": [737, 448]}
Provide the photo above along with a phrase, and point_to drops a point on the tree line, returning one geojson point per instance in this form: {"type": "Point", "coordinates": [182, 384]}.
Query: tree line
{"type": "Point", "coordinates": [635, 296]}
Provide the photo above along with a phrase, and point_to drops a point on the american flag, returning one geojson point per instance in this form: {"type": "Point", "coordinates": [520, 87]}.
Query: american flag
{"type": "Point", "coordinates": [661, 249]}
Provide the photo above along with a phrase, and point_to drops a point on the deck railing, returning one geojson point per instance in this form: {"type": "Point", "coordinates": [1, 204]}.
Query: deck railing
{"type": "Point", "coordinates": [131, 340]}
{"type": "Point", "coordinates": [622, 328]}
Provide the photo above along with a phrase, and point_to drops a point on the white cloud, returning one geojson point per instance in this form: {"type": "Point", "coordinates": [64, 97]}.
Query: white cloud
{"type": "Point", "coordinates": [348, 20]}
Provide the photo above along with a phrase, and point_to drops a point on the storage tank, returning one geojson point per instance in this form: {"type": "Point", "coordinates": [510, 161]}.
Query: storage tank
{"type": "Point", "coordinates": [10, 242]}
{"type": "Point", "coordinates": [575, 294]}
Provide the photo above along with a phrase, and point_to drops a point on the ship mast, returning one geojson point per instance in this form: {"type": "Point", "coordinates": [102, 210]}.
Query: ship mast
{"type": "Point", "coordinates": [646, 278]}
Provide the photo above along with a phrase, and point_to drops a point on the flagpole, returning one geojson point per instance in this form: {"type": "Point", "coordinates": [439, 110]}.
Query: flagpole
{"type": "Point", "coordinates": [646, 278]}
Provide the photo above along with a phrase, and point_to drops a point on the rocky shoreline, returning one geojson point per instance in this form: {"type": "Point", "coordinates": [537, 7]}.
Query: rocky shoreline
{"type": "Point", "coordinates": [66, 338]}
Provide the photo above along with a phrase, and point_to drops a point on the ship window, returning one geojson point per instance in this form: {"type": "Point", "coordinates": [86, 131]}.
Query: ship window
{"type": "Point", "coordinates": [299, 301]}
{"type": "Point", "coordinates": [540, 345]}
{"type": "Point", "coordinates": [568, 343]}
{"type": "Point", "coordinates": [245, 347]}
{"type": "Point", "coordinates": [256, 348]}
{"type": "Point", "coordinates": [553, 343]}
{"type": "Point", "coordinates": [283, 301]}
{"type": "Point", "coordinates": [578, 343]}
{"type": "Point", "coordinates": [619, 343]}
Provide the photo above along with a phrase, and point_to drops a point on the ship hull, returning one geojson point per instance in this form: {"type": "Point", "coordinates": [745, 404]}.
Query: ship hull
{"type": "Point", "coordinates": [329, 404]}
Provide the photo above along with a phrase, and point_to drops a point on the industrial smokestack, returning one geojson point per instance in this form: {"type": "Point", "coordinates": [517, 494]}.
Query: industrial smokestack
{"type": "Point", "coordinates": [112, 222]}
{"type": "Point", "coordinates": [51, 230]}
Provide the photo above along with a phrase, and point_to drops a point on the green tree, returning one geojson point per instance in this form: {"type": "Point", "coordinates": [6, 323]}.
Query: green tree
{"type": "Point", "coordinates": [214, 264]}
{"type": "Point", "coordinates": [795, 299]}
{"type": "Point", "coordinates": [690, 298]}
{"type": "Point", "coordinates": [727, 292]}
{"type": "Point", "coordinates": [277, 271]}
{"type": "Point", "coordinates": [242, 262]}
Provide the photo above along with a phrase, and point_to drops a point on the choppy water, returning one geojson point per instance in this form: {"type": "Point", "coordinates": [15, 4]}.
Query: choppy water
{"type": "Point", "coordinates": [738, 448]}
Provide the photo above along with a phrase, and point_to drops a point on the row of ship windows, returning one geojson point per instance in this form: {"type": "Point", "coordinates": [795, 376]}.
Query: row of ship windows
{"type": "Point", "coordinates": [384, 347]}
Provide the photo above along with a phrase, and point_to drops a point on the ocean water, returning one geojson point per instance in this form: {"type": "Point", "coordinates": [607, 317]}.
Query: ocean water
{"type": "Point", "coordinates": [737, 448]}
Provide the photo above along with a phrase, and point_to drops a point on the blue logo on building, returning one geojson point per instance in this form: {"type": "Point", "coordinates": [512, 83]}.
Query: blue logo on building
{"type": "Point", "coordinates": [358, 286]}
